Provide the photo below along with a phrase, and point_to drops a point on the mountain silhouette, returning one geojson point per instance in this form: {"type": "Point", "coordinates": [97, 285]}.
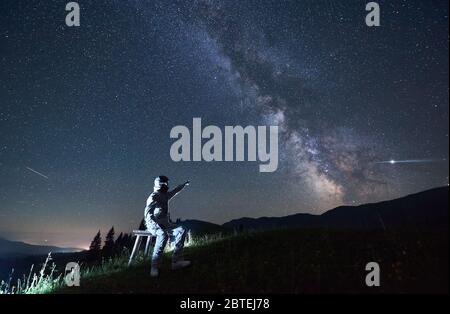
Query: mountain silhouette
{"type": "Point", "coordinates": [17, 249]}
{"type": "Point", "coordinates": [199, 227]}
{"type": "Point", "coordinates": [423, 210]}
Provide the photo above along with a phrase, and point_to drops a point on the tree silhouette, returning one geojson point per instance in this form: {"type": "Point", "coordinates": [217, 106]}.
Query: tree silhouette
{"type": "Point", "coordinates": [127, 241]}
{"type": "Point", "coordinates": [96, 247]}
{"type": "Point", "coordinates": [119, 240]}
{"type": "Point", "coordinates": [119, 243]}
{"type": "Point", "coordinates": [96, 243]}
{"type": "Point", "coordinates": [108, 248]}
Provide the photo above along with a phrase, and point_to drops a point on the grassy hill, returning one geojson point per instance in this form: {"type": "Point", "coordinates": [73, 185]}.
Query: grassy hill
{"type": "Point", "coordinates": [290, 261]}
{"type": "Point", "coordinates": [326, 253]}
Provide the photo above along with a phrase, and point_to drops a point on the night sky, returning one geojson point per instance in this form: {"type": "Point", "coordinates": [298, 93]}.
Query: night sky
{"type": "Point", "coordinates": [86, 112]}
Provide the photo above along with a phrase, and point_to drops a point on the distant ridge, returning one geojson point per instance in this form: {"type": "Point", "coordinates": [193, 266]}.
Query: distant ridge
{"type": "Point", "coordinates": [19, 249]}
{"type": "Point", "coordinates": [423, 210]}
{"type": "Point", "coordinates": [200, 227]}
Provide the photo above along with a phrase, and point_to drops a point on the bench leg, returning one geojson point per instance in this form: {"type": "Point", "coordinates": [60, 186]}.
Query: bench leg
{"type": "Point", "coordinates": [147, 245]}
{"type": "Point", "coordinates": [135, 249]}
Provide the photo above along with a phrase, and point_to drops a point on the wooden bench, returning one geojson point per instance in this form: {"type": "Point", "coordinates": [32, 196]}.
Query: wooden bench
{"type": "Point", "coordinates": [139, 235]}
{"type": "Point", "coordinates": [151, 238]}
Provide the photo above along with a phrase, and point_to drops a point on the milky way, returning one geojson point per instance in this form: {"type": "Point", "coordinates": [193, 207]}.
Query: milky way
{"type": "Point", "coordinates": [324, 153]}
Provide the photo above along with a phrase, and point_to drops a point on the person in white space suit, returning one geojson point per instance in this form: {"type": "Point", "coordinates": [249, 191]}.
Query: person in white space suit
{"type": "Point", "coordinates": [158, 222]}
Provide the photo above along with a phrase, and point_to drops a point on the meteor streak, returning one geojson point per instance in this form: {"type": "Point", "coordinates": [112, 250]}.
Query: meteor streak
{"type": "Point", "coordinates": [408, 161]}
{"type": "Point", "coordinates": [37, 172]}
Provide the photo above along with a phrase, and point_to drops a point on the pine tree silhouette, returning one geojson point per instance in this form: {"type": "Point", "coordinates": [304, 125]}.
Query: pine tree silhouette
{"type": "Point", "coordinates": [96, 243]}
{"type": "Point", "coordinates": [108, 248]}
{"type": "Point", "coordinates": [127, 241]}
{"type": "Point", "coordinates": [95, 247]}
{"type": "Point", "coordinates": [118, 244]}
{"type": "Point", "coordinates": [119, 240]}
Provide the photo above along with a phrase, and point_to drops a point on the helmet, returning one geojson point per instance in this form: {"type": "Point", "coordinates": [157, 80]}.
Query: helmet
{"type": "Point", "coordinates": [160, 181]}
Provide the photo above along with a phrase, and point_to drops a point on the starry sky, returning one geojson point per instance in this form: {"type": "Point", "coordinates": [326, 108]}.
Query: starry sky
{"type": "Point", "coordinates": [86, 112]}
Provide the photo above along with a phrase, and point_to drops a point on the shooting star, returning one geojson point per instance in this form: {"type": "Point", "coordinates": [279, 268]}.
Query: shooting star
{"type": "Point", "coordinates": [37, 172]}
{"type": "Point", "coordinates": [409, 161]}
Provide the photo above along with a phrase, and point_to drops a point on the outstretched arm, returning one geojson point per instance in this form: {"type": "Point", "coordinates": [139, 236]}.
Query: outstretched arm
{"type": "Point", "coordinates": [176, 190]}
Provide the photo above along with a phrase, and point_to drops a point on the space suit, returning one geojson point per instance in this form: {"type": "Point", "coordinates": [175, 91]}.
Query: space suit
{"type": "Point", "coordinates": [157, 221]}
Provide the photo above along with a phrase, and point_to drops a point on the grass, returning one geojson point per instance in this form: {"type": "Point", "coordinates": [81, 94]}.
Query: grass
{"type": "Point", "coordinates": [290, 261]}
{"type": "Point", "coordinates": [283, 261]}
{"type": "Point", "coordinates": [41, 282]}
{"type": "Point", "coordinates": [46, 280]}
